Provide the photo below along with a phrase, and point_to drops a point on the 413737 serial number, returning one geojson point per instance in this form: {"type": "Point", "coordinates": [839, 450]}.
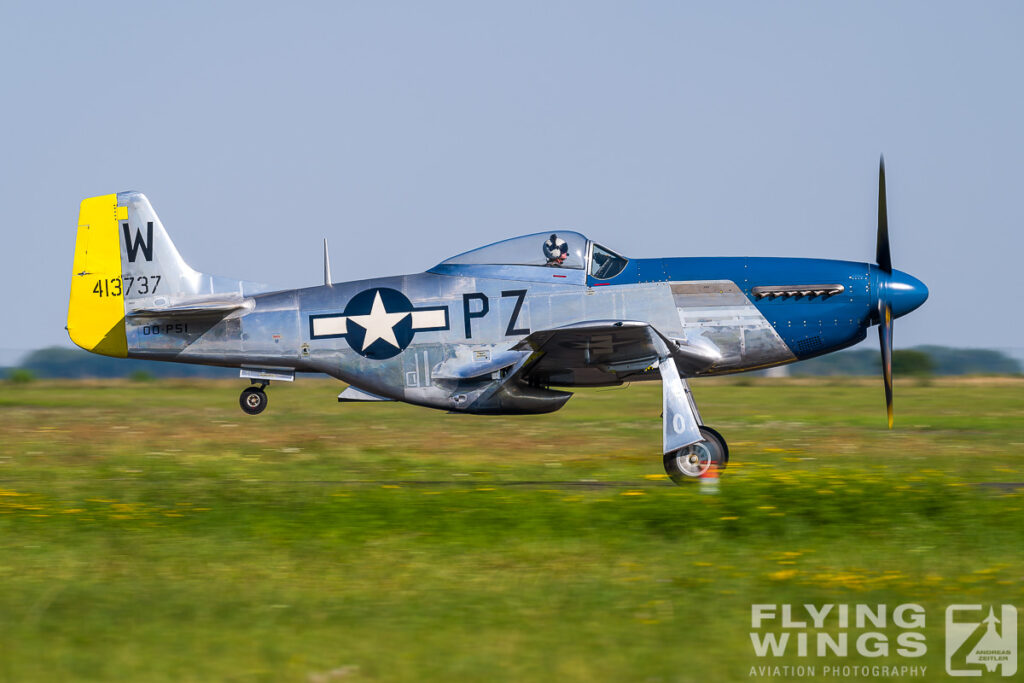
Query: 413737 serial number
{"type": "Point", "coordinates": [122, 286]}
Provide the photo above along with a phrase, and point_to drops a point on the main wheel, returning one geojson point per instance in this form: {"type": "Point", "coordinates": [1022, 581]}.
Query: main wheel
{"type": "Point", "coordinates": [253, 400]}
{"type": "Point", "coordinates": [692, 462]}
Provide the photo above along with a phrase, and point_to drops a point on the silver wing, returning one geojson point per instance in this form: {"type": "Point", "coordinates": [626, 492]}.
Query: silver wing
{"type": "Point", "coordinates": [606, 352]}
{"type": "Point", "coordinates": [603, 352]}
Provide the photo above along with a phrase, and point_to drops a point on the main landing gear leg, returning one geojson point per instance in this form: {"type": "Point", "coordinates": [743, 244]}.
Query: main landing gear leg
{"type": "Point", "coordinates": [254, 399]}
{"type": "Point", "coordinates": [690, 448]}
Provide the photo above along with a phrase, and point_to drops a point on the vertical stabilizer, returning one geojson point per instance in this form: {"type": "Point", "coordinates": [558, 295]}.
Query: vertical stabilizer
{"type": "Point", "coordinates": [125, 261]}
{"type": "Point", "coordinates": [150, 263]}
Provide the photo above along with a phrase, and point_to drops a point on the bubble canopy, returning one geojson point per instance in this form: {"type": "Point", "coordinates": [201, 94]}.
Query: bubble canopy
{"type": "Point", "coordinates": [528, 250]}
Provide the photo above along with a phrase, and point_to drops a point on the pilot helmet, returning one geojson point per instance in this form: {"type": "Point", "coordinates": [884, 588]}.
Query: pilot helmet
{"type": "Point", "coordinates": [555, 248]}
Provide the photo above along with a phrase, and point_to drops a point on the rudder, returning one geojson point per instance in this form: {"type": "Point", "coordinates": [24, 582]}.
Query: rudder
{"type": "Point", "coordinates": [96, 308]}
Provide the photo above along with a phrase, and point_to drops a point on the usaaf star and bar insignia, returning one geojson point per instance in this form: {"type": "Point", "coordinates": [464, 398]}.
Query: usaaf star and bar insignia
{"type": "Point", "coordinates": [379, 323]}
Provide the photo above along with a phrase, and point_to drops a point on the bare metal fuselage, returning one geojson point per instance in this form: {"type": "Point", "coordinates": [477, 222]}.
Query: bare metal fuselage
{"type": "Point", "coordinates": [481, 312]}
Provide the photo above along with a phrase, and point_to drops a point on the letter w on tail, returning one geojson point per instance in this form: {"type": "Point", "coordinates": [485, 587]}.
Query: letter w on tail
{"type": "Point", "coordinates": [132, 246]}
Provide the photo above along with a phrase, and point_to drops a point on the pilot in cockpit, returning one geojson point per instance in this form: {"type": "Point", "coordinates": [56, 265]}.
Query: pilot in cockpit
{"type": "Point", "coordinates": [556, 250]}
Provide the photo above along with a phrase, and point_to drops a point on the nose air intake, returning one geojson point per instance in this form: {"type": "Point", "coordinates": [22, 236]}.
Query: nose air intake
{"type": "Point", "coordinates": [898, 293]}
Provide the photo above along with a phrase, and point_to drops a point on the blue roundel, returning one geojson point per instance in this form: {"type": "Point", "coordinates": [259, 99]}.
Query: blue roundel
{"type": "Point", "coordinates": [379, 323]}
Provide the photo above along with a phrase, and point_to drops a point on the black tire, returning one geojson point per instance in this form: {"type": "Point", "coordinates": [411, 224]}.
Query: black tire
{"type": "Point", "coordinates": [253, 401]}
{"type": "Point", "coordinates": [690, 463]}
{"type": "Point", "coordinates": [721, 442]}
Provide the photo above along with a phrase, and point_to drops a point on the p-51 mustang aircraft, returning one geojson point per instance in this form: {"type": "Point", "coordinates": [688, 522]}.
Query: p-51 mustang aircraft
{"type": "Point", "coordinates": [491, 330]}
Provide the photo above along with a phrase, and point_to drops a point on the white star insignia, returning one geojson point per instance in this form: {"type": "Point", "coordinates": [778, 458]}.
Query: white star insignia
{"type": "Point", "coordinates": [379, 324]}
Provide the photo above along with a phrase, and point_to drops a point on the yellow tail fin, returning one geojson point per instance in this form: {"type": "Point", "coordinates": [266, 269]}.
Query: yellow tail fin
{"type": "Point", "coordinates": [96, 311]}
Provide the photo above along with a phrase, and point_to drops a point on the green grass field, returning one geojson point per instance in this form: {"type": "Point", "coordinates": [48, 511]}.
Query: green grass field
{"type": "Point", "coordinates": [151, 531]}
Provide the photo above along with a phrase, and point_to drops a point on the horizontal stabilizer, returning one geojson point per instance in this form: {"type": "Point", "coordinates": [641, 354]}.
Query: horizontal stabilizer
{"type": "Point", "coordinates": [208, 308]}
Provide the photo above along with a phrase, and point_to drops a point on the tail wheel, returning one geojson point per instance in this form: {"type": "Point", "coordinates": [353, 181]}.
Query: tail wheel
{"type": "Point", "coordinates": [253, 400]}
{"type": "Point", "coordinates": [692, 462]}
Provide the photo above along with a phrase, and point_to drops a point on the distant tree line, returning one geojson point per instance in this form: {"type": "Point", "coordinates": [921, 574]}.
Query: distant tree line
{"type": "Point", "coordinates": [58, 362]}
{"type": "Point", "coordinates": [920, 360]}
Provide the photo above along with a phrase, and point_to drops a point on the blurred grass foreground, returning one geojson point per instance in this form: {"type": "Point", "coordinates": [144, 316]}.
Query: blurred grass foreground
{"type": "Point", "coordinates": [151, 531]}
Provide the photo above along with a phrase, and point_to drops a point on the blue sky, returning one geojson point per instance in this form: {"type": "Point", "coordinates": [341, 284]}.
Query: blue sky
{"type": "Point", "coordinates": [406, 132]}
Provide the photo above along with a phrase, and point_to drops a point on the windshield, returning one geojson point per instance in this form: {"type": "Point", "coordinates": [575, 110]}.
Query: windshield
{"type": "Point", "coordinates": [605, 263]}
{"type": "Point", "coordinates": [559, 249]}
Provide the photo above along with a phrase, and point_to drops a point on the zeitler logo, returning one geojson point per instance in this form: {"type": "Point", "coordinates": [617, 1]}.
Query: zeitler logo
{"type": "Point", "coordinates": [977, 639]}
